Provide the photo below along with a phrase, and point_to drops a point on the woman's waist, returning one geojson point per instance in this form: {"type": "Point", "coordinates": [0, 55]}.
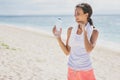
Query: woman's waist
{"type": "Point", "coordinates": [75, 66]}
{"type": "Point", "coordinates": [79, 58]}
{"type": "Point", "coordinates": [79, 61]}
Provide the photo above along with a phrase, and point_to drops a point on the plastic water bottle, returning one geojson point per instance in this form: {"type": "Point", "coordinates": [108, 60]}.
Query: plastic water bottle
{"type": "Point", "coordinates": [58, 24]}
{"type": "Point", "coordinates": [58, 27]}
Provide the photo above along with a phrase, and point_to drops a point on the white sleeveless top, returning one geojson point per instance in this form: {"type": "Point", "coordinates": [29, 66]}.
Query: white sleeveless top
{"type": "Point", "coordinates": [79, 58]}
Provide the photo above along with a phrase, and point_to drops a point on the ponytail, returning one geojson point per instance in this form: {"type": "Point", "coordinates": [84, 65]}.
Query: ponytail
{"type": "Point", "coordinates": [91, 22]}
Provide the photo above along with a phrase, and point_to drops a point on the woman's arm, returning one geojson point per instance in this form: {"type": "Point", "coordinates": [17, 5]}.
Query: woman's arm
{"type": "Point", "coordinates": [64, 47]}
{"type": "Point", "coordinates": [90, 45]}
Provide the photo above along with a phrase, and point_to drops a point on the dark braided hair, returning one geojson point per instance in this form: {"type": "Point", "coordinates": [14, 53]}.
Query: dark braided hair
{"type": "Point", "coordinates": [86, 9]}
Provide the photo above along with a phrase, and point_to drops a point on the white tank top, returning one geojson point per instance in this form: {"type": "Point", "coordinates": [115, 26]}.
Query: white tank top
{"type": "Point", "coordinates": [79, 58]}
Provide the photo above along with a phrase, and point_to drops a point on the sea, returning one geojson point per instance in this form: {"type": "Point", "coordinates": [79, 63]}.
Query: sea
{"type": "Point", "coordinates": [108, 25]}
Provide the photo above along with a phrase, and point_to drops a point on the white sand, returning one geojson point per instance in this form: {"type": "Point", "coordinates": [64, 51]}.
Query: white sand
{"type": "Point", "coordinates": [29, 55]}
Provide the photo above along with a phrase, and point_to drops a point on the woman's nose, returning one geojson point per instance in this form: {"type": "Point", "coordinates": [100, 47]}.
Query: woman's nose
{"type": "Point", "coordinates": [76, 17]}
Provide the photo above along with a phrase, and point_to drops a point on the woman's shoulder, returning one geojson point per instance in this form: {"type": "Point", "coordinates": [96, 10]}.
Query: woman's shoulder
{"type": "Point", "coordinates": [95, 31]}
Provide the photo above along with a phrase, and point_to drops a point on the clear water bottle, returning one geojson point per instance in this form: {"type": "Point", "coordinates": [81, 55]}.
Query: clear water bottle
{"type": "Point", "coordinates": [58, 27]}
{"type": "Point", "coordinates": [58, 24]}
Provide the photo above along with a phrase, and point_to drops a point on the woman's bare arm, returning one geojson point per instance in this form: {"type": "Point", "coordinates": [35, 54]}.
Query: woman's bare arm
{"type": "Point", "coordinates": [90, 45]}
{"type": "Point", "coordinates": [63, 46]}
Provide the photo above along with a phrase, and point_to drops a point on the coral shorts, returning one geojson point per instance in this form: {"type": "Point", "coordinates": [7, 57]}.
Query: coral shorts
{"type": "Point", "coordinates": [80, 75]}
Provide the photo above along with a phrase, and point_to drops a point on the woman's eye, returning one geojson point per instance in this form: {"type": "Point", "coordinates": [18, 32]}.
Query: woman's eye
{"type": "Point", "coordinates": [78, 14]}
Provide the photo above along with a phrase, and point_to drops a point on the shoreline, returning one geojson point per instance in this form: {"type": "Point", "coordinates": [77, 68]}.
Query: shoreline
{"type": "Point", "coordinates": [27, 28]}
{"type": "Point", "coordinates": [109, 45]}
{"type": "Point", "coordinates": [47, 32]}
{"type": "Point", "coordinates": [100, 43]}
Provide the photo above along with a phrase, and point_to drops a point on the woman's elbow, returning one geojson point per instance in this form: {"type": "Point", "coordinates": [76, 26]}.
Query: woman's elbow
{"type": "Point", "coordinates": [89, 49]}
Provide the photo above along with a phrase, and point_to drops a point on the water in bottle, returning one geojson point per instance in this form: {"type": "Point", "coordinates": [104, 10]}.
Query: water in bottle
{"type": "Point", "coordinates": [58, 23]}
{"type": "Point", "coordinates": [58, 26]}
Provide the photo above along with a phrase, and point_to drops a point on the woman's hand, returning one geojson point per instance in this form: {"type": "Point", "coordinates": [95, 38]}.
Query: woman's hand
{"type": "Point", "coordinates": [56, 32]}
{"type": "Point", "coordinates": [82, 26]}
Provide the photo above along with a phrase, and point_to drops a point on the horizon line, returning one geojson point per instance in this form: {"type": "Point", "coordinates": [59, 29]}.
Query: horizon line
{"type": "Point", "coordinates": [59, 14]}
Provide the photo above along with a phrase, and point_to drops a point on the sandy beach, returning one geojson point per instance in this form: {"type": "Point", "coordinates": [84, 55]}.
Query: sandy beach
{"type": "Point", "coordinates": [30, 55]}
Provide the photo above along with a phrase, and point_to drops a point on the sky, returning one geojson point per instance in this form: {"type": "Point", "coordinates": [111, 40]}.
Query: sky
{"type": "Point", "coordinates": [52, 7]}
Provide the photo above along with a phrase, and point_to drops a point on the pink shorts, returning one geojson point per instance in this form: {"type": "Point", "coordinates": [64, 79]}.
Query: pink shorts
{"type": "Point", "coordinates": [80, 75]}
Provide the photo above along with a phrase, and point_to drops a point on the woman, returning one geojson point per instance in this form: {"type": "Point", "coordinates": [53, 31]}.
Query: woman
{"type": "Point", "coordinates": [80, 42]}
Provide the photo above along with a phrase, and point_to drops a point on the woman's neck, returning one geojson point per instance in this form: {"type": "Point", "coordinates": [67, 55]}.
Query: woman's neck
{"type": "Point", "coordinates": [85, 23]}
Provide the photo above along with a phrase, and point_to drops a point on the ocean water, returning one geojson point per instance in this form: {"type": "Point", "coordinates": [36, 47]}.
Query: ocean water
{"type": "Point", "coordinates": [108, 25]}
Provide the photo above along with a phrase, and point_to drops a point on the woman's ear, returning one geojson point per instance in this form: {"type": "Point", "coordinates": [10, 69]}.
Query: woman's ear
{"type": "Point", "coordinates": [86, 14]}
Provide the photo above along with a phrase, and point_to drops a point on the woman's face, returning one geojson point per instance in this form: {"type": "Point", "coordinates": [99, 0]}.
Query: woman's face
{"type": "Point", "coordinates": [80, 16]}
